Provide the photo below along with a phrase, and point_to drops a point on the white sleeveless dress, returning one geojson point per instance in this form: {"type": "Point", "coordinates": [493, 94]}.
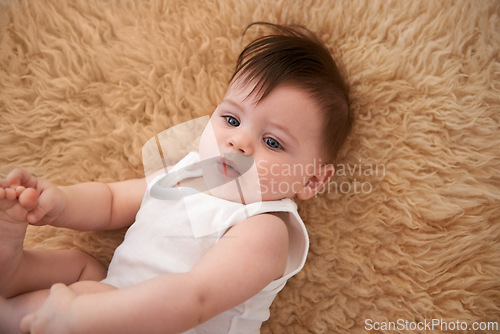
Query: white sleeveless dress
{"type": "Point", "coordinates": [171, 235]}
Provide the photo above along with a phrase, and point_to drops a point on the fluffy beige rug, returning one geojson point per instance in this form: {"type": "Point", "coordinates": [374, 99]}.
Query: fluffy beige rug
{"type": "Point", "coordinates": [409, 229]}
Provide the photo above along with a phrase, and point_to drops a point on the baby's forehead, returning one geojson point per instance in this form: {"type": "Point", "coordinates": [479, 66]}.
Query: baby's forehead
{"type": "Point", "coordinates": [243, 88]}
{"type": "Point", "coordinates": [290, 107]}
{"type": "Point", "coordinates": [256, 90]}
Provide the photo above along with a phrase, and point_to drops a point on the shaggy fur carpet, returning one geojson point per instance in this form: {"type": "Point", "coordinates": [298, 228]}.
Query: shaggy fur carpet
{"type": "Point", "coordinates": [408, 229]}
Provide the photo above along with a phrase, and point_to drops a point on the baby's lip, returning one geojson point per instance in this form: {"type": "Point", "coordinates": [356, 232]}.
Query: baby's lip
{"type": "Point", "coordinates": [236, 163]}
{"type": "Point", "coordinates": [225, 162]}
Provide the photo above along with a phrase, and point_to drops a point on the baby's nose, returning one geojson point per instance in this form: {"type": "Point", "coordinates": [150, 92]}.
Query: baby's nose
{"type": "Point", "coordinates": [241, 144]}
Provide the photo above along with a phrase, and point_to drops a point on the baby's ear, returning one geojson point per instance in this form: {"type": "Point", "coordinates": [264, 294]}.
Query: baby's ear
{"type": "Point", "coordinates": [322, 175]}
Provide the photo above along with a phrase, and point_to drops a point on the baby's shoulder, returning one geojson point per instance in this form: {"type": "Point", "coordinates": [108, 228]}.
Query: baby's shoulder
{"type": "Point", "coordinates": [262, 225]}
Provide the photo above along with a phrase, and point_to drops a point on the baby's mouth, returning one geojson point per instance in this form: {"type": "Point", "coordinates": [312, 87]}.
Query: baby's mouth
{"type": "Point", "coordinates": [227, 168]}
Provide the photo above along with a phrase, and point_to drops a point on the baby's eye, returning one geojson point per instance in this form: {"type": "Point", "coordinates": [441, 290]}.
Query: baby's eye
{"type": "Point", "coordinates": [232, 121]}
{"type": "Point", "coordinates": [273, 143]}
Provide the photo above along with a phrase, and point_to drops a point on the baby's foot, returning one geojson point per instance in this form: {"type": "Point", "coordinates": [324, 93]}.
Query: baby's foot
{"type": "Point", "coordinates": [15, 204]}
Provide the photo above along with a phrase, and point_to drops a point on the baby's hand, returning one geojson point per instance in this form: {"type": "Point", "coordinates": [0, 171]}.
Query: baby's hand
{"type": "Point", "coordinates": [26, 198]}
{"type": "Point", "coordinates": [52, 317]}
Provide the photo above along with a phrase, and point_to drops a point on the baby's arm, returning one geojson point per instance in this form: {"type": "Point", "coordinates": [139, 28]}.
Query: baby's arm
{"type": "Point", "coordinates": [249, 256]}
{"type": "Point", "coordinates": [90, 206]}
{"type": "Point", "coordinates": [86, 206]}
{"type": "Point", "coordinates": [99, 206]}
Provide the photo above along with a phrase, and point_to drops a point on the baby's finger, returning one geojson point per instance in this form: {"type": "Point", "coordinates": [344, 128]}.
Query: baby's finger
{"type": "Point", "coordinates": [2, 193]}
{"type": "Point", "coordinates": [26, 322]}
{"type": "Point", "coordinates": [36, 215]}
{"type": "Point", "coordinates": [21, 177]}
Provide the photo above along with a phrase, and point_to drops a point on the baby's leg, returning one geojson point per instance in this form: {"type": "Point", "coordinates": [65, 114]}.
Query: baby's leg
{"type": "Point", "coordinates": [22, 270]}
{"type": "Point", "coordinates": [13, 310]}
{"type": "Point", "coordinates": [41, 268]}
{"type": "Point", "coordinates": [15, 204]}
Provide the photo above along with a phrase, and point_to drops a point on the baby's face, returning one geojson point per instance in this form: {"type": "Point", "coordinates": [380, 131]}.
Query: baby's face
{"type": "Point", "coordinates": [281, 134]}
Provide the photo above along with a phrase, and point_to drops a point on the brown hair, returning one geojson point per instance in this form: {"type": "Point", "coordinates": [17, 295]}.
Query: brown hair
{"type": "Point", "coordinates": [295, 56]}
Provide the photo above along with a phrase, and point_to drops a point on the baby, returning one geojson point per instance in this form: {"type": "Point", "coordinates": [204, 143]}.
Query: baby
{"type": "Point", "coordinates": [212, 240]}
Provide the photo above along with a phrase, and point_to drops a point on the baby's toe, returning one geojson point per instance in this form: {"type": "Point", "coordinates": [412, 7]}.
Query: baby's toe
{"type": "Point", "coordinates": [28, 199]}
